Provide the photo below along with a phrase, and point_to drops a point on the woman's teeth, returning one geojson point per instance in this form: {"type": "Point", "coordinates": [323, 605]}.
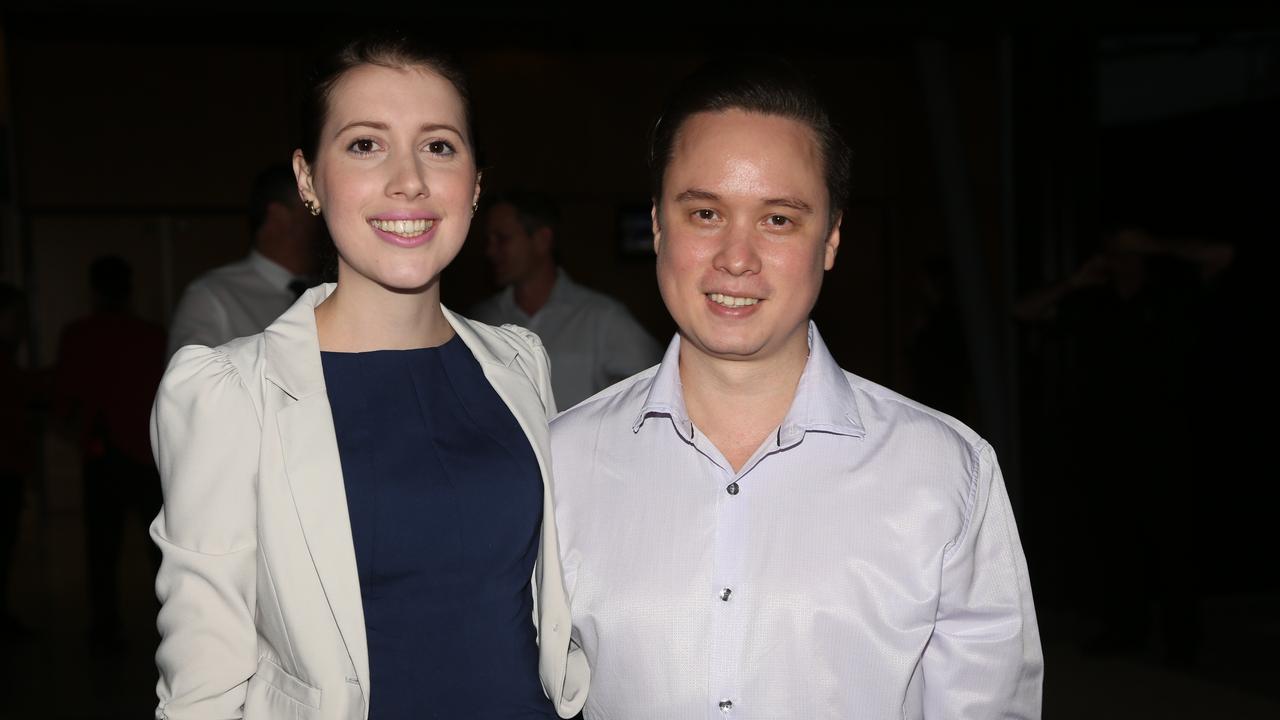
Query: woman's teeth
{"type": "Point", "coordinates": [731, 301]}
{"type": "Point", "coordinates": [404, 228]}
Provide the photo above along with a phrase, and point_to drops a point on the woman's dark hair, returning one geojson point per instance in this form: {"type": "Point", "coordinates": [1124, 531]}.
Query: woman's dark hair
{"type": "Point", "coordinates": [753, 84]}
{"type": "Point", "coordinates": [383, 50]}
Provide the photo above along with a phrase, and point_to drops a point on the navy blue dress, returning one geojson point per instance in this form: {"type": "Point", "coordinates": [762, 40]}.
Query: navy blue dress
{"type": "Point", "coordinates": [445, 500]}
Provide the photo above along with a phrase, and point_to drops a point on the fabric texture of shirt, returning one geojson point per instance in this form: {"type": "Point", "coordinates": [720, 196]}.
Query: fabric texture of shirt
{"type": "Point", "coordinates": [445, 500]}
{"type": "Point", "coordinates": [591, 338]}
{"type": "Point", "coordinates": [863, 563]}
{"type": "Point", "coordinates": [231, 301]}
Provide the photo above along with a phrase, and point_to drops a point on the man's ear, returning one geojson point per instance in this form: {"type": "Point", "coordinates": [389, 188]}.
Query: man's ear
{"type": "Point", "coordinates": [832, 244]}
{"type": "Point", "coordinates": [655, 227]}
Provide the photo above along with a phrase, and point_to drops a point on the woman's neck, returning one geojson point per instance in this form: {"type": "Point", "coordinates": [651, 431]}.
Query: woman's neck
{"type": "Point", "coordinates": [360, 315]}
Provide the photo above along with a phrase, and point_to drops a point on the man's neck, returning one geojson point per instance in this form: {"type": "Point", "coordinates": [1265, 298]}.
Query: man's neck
{"type": "Point", "coordinates": [281, 252]}
{"type": "Point", "coordinates": [532, 293]}
{"type": "Point", "coordinates": [736, 404]}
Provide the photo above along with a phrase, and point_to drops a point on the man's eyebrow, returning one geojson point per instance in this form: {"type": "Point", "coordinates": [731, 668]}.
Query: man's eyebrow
{"type": "Point", "coordinates": [790, 202]}
{"type": "Point", "coordinates": [696, 194]}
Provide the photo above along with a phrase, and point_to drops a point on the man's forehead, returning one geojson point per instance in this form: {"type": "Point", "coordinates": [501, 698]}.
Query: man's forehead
{"type": "Point", "coordinates": [741, 154]}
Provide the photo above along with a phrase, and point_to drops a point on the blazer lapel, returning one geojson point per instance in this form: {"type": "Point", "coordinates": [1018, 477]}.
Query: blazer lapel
{"type": "Point", "coordinates": [314, 469]}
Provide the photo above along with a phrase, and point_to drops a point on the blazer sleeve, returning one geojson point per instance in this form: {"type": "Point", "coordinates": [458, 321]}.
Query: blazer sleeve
{"type": "Point", "coordinates": [984, 658]}
{"type": "Point", "coordinates": [205, 433]}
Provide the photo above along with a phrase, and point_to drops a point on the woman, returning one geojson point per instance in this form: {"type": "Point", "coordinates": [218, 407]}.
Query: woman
{"type": "Point", "coordinates": [355, 498]}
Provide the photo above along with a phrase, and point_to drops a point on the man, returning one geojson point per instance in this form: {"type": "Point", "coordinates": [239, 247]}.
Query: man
{"type": "Point", "coordinates": [747, 530]}
{"type": "Point", "coordinates": [591, 338]}
{"type": "Point", "coordinates": [244, 297]}
{"type": "Point", "coordinates": [109, 366]}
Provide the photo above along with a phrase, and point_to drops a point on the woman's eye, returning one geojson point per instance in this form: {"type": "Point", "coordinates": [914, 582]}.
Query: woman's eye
{"type": "Point", "coordinates": [440, 147]}
{"type": "Point", "coordinates": [363, 146]}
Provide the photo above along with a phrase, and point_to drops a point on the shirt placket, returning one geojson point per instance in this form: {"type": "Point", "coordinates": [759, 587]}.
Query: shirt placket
{"type": "Point", "coordinates": [725, 684]}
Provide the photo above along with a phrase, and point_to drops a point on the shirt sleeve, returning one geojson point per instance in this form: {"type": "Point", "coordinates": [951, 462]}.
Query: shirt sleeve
{"type": "Point", "coordinates": [205, 434]}
{"type": "Point", "coordinates": [199, 319]}
{"type": "Point", "coordinates": [984, 658]}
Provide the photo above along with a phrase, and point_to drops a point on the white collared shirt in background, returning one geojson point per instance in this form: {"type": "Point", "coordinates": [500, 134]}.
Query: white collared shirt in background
{"type": "Point", "coordinates": [591, 338]}
{"type": "Point", "coordinates": [231, 301]}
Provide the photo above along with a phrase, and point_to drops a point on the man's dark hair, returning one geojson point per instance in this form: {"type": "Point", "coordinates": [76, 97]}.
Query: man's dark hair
{"type": "Point", "coordinates": [534, 210]}
{"type": "Point", "coordinates": [111, 279]}
{"type": "Point", "coordinates": [275, 184]}
{"type": "Point", "coordinates": [764, 85]}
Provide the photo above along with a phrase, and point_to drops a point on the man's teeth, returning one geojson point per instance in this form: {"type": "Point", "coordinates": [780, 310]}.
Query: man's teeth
{"type": "Point", "coordinates": [407, 228]}
{"type": "Point", "coordinates": [731, 301]}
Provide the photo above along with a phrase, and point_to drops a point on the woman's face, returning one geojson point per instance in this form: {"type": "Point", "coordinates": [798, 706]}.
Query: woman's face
{"type": "Point", "coordinates": [394, 175]}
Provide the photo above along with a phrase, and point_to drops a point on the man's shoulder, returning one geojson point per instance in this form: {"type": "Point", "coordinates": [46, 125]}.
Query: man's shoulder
{"type": "Point", "coordinates": [223, 276]}
{"type": "Point", "coordinates": [887, 411]}
{"type": "Point", "coordinates": [618, 403]}
{"type": "Point", "coordinates": [594, 301]}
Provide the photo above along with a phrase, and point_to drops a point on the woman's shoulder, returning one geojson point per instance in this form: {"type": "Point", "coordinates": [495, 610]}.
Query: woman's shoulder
{"type": "Point", "coordinates": [505, 337]}
{"type": "Point", "coordinates": [198, 373]}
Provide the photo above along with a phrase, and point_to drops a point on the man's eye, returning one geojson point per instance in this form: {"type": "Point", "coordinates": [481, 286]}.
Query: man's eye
{"type": "Point", "coordinates": [705, 214]}
{"type": "Point", "coordinates": [363, 146]}
{"type": "Point", "coordinates": [779, 220]}
{"type": "Point", "coordinates": [440, 147]}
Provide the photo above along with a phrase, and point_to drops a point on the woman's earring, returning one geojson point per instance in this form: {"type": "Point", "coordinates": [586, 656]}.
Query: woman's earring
{"type": "Point", "coordinates": [474, 207]}
{"type": "Point", "coordinates": [311, 206]}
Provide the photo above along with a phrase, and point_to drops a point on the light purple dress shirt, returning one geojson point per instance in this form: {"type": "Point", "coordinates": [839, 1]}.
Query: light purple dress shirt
{"type": "Point", "coordinates": [864, 563]}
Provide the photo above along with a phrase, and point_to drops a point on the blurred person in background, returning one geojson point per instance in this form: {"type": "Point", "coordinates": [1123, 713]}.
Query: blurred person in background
{"type": "Point", "coordinates": [1130, 321]}
{"type": "Point", "coordinates": [109, 365]}
{"type": "Point", "coordinates": [244, 297]}
{"type": "Point", "coordinates": [592, 339]}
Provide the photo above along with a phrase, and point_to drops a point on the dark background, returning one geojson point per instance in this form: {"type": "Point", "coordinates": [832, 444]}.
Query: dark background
{"type": "Point", "coordinates": [993, 152]}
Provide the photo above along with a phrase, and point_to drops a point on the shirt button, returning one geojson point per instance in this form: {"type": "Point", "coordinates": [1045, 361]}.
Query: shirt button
{"type": "Point", "coordinates": [725, 593]}
{"type": "Point", "coordinates": [732, 489]}
{"type": "Point", "coordinates": [726, 705]}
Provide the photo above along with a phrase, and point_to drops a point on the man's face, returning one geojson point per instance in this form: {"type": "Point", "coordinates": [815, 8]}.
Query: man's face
{"type": "Point", "coordinates": [510, 247]}
{"type": "Point", "coordinates": [741, 233]}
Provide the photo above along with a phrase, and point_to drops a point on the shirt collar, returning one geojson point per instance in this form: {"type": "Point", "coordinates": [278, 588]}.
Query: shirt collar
{"type": "Point", "coordinates": [824, 401]}
{"type": "Point", "coordinates": [276, 274]}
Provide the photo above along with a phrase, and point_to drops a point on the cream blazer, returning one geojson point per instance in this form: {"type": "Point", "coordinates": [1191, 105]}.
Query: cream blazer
{"type": "Point", "coordinates": [261, 614]}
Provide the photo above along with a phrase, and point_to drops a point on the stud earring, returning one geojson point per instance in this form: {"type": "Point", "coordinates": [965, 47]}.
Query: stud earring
{"type": "Point", "coordinates": [311, 206]}
{"type": "Point", "coordinates": [474, 207]}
